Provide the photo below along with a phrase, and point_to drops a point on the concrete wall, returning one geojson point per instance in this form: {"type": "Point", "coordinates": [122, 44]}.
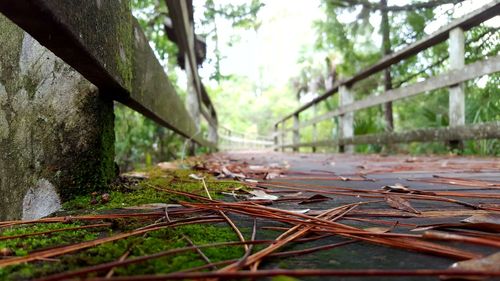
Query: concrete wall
{"type": "Point", "coordinates": [56, 131]}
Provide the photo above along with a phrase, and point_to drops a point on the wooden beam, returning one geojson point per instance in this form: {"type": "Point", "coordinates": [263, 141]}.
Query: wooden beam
{"type": "Point", "coordinates": [180, 13]}
{"type": "Point", "coordinates": [453, 77]}
{"type": "Point", "coordinates": [466, 22]}
{"type": "Point", "coordinates": [103, 41]}
{"type": "Point", "coordinates": [490, 130]}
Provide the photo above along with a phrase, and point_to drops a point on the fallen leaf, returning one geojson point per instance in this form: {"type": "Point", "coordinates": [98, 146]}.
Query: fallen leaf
{"type": "Point", "coordinates": [315, 198]}
{"type": "Point", "coordinates": [139, 175]}
{"type": "Point", "coordinates": [484, 218]}
{"type": "Point", "coordinates": [262, 195]}
{"type": "Point", "coordinates": [232, 175]}
{"type": "Point", "coordinates": [396, 188]}
{"type": "Point", "coordinates": [295, 194]}
{"type": "Point", "coordinates": [400, 203]}
{"type": "Point", "coordinates": [256, 167]}
{"type": "Point", "coordinates": [196, 177]}
{"type": "Point", "coordinates": [489, 263]}
{"type": "Point", "coordinates": [378, 229]}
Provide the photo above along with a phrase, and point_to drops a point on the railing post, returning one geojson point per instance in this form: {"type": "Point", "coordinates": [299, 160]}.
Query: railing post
{"type": "Point", "coordinates": [192, 102]}
{"type": "Point", "coordinates": [296, 133]}
{"type": "Point", "coordinates": [456, 92]}
{"type": "Point", "coordinates": [213, 133]}
{"type": "Point", "coordinates": [276, 139]}
{"type": "Point", "coordinates": [283, 135]}
{"type": "Point", "coordinates": [347, 119]}
{"type": "Point", "coordinates": [314, 128]}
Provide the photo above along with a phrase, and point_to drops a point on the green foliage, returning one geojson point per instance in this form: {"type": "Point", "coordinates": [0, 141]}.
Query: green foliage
{"type": "Point", "coordinates": [349, 34]}
{"type": "Point", "coordinates": [242, 104]}
{"type": "Point", "coordinates": [141, 142]}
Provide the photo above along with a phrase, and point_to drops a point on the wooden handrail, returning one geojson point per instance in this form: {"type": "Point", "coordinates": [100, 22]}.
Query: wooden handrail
{"type": "Point", "coordinates": [469, 72]}
{"type": "Point", "coordinates": [465, 23]}
{"type": "Point", "coordinates": [453, 79]}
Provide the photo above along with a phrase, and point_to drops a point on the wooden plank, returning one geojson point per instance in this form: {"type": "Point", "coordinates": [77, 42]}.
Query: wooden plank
{"type": "Point", "coordinates": [466, 22]}
{"type": "Point", "coordinates": [489, 130]}
{"type": "Point", "coordinates": [102, 41]}
{"type": "Point", "coordinates": [454, 77]}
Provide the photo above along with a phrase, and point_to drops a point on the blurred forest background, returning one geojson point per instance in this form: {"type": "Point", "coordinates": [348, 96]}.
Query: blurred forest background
{"type": "Point", "coordinates": [347, 36]}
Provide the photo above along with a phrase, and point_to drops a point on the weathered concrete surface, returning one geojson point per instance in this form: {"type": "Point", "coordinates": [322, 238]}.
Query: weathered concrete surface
{"type": "Point", "coordinates": [56, 132]}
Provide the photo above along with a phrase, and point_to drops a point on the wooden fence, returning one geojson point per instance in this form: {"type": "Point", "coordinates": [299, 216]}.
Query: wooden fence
{"type": "Point", "coordinates": [230, 140]}
{"type": "Point", "coordinates": [104, 42]}
{"type": "Point", "coordinates": [458, 73]}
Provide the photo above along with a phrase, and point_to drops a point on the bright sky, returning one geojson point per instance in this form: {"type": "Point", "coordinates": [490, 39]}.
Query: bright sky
{"type": "Point", "coordinates": [270, 54]}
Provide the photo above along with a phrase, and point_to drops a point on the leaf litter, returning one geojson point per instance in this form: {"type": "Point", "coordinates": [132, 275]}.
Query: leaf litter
{"type": "Point", "coordinates": [301, 225]}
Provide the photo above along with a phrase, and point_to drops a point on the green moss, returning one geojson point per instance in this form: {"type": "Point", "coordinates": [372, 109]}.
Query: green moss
{"type": "Point", "coordinates": [11, 38]}
{"type": "Point", "coordinates": [96, 169]}
{"type": "Point", "coordinates": [160, 240]}
{"type": "Point", "coordinates": [30, 84]}
{"type": "Point", "coordinates": [144, 192]}
{"type": "Point", "coordinates": [125, 40]}
{"type": "Point", "coordinates": [22, 246]}
{"type": "Point", "coordinates": [154, 242]}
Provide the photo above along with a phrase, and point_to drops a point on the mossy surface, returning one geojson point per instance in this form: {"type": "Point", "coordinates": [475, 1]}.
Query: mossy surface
{"type": "Point", "coordinates": [146, 191]}
{"type": "Point", "coordinates": [124, 194]}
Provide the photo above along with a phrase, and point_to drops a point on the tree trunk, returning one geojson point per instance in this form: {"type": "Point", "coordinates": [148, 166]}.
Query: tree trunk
{"type": "Point", "coordinates": [386, 49]}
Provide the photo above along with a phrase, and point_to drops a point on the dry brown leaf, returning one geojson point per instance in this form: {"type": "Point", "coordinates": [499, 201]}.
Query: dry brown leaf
{"type": "Point", "coordinates": [232, 175]}
{"type": "Point", "coordinates": [262, 195]}
{"type": "Point", "coordinates": [484, 218]}
{"type": "Point", "coordinates": [315, 198]}
{"type": "Point", "coordinates": [396, 188]}
{"type": "Point", "coordinates": [399, 203]}
{"type": "Point", "coordinates": [489, 263]}
{"type": "Point", "coordinates": [378, 229]}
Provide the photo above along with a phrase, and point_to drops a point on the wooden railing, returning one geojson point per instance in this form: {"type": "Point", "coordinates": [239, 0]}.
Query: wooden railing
{"type": "Point", "coordinates": [104, 42]}
{"type": "Point", "coordinates": [458, 73]}
{"type": "Point", "coordinates": [230, 140]}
